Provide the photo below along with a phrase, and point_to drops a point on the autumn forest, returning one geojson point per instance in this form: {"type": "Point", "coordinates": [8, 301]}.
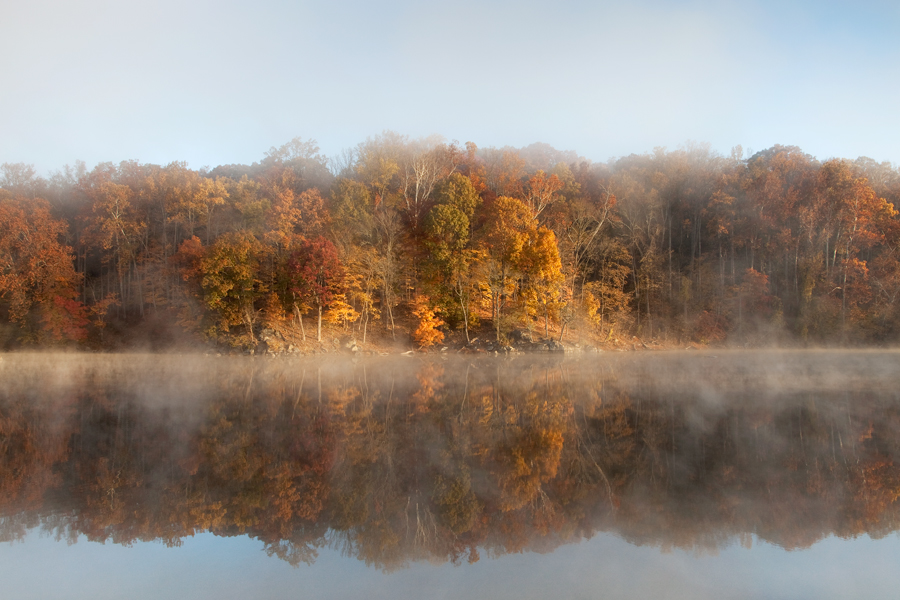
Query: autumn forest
{"type": "Point", "coordinates": [424, 242]}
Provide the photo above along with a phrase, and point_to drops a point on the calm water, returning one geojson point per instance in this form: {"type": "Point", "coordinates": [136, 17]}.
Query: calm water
{"type": "Point", "coordinates": [682, 475]}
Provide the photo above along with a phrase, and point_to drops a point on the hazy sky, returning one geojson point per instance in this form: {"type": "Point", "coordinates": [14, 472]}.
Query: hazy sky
{"type": "Point", "coordinates": [213, 82]}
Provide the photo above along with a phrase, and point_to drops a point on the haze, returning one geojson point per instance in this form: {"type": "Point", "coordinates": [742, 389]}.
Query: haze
{"type": "Point", "coordinates": [218, 83]}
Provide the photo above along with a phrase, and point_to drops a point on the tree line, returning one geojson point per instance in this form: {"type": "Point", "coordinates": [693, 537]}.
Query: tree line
{"type": "Point", "coordinates": [426, 238]}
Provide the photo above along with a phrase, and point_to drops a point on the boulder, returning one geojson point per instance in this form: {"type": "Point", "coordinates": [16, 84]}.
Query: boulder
{"type": "Point", "coordinates": [519, 336]}
{"type": "Point", "coordinates": [554, 347]}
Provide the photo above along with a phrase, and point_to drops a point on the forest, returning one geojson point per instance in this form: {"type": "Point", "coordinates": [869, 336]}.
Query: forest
{"type": "Point", "coordinates": [425, 242]}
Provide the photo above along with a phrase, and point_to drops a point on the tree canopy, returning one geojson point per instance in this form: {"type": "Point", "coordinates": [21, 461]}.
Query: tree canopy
{"type": "Point", "coordinates": [683, 246]}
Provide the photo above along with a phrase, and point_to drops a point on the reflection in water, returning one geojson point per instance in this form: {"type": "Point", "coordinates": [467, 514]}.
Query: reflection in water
{"type": "Point", "coordinates": [399, 460]}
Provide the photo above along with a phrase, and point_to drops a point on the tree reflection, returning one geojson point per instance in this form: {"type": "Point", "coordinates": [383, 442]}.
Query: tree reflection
{"type": "Point", "coordinates": [442, 460]}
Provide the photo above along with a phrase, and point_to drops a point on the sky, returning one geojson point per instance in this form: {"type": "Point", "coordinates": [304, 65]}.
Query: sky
{"type": "Point", "coordinates": [218, 82]}
{"type": "Point", "coordinates": [207, 567]}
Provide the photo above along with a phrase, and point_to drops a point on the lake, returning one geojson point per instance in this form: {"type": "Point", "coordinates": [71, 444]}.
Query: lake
{"type": "Point", "coordinates": [713, 474]}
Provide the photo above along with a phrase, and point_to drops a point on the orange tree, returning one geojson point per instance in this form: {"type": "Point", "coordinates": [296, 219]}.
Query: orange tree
{"type": "Point", "coordinates": [38, 282]}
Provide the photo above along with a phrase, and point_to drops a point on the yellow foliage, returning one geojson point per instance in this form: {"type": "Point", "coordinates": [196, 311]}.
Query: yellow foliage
{"type": "Point", "coordinates": [592, 308]}
{"type": "Point", "coordinates": [427, 333]}
{"type": "Point", "coordinates": [339, 312]}
{"type": "Point", "coordinates": [273, 312]}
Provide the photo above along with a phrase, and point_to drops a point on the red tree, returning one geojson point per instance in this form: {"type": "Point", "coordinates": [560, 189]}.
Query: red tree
{"type": "Point", "coordinates": [314, 276]}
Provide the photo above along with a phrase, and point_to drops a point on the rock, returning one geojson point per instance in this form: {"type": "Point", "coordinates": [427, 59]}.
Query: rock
{"type": "Point", "coordinates": [519, 336]}
{"type": "Point", "coordinates": [554, 346]}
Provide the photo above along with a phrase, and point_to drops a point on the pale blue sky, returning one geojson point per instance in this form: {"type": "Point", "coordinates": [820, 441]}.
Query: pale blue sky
{"type": "Point", "coordinates": [207, 567]}
{"type": "Point", "coordinates": [222, 81]}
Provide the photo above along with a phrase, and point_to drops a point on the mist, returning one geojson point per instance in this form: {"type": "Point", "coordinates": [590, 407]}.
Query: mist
{"type": "Point", "coordinates": [457, 458]}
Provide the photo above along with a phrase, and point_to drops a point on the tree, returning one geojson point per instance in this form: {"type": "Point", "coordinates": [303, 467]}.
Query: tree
{"type": "Point", "coordinates": [315, 276]}
{"type": "Point", "coordinates": [642, 213]}
{"type": "Point", "coordinates": [580, 232]}
{"type": "Point", "coordinates": [190, 200]}
{"type": "Point", "coordinates": [458, 191]}
{"type": "Point", "coordinates": [859, 220]}
{"type": "Point", "coordinates": [38, 282]}
{"type": "Point", "coordinates": [308, 167]}
{"type": "Point", "coordinates": [542, 275]}
{"type": "Point", "coordinates": [504, 171]}
{"type": "Point", "coordinates": [427, 333]}
{"type": "Point", "coordinates": [187, 262]}
{"type": "Point", "coordinates": [423, 164]}
{"type": "Point", "coordinates": [502, 239]}
{"type": "Point", "coordinates": [605, 298]}
{"type": "Point", "coordinates": [21, 179]}
{"type": "Point", "coordinates": [541, 191]}
{"type": "Point", "coordinates": [449, 258]}
{"type": "Point", "coordinates": [368, 234]}
{"type": "Point", "coordinates": [230, 284]}
{"type": "Point", "coordinates": [447, 233]}
{"type": "Point", "coordinates": [114, 228]}
{"type": "Point", "coordinates": [779, 184]}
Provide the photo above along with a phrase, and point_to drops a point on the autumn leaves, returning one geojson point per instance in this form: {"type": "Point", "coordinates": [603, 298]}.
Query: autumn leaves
{"type": "Point", "coordinates": [420, 239]}
{"type": "Point", "coordinates": [38, 282]}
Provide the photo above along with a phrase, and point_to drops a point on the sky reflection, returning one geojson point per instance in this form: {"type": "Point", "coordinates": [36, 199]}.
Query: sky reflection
{"type": "Point", "coordinates": [211, 567]}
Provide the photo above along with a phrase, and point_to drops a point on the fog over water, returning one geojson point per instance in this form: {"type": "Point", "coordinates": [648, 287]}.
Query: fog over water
{"type": "Point", "coordinates": [750, 473]}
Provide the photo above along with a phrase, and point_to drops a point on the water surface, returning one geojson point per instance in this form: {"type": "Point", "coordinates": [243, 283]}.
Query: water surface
{"type": "Point", "coordinates": [680, 475]}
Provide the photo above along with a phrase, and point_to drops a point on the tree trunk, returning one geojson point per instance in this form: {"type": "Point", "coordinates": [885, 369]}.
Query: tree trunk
{"type": "Point", "coordinates": [365, 324]}
{"type": "Point", "coordinates": [497, 316]}
{"type": "Point", "coordinates": [465, 312]}
{"type": "Point", "coordinates": [546, 321]}
{"type": "Point", "coordinates": [319, 330]}
{"type": "Point", "coordinates": [391, 315]}
{"type": "Point", "coordinates": [248, 319]}
{"type": "Point", "coordinates": [300, 319]}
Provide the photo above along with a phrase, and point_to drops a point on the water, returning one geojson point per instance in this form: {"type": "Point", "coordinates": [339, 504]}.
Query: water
{"type": "Point", "coordinates": [677, 475]}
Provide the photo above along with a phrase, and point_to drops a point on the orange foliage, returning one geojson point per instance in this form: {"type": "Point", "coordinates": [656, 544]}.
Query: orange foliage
{"type": "Point", "coordinates": [427, 333]}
